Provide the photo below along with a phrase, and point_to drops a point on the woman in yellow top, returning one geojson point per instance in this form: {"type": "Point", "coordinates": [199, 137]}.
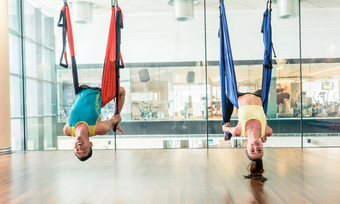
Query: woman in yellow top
{"type": "Point", "coordinates": [253, 125]}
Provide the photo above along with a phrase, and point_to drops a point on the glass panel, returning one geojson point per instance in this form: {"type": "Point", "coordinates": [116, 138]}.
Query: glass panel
{"type": "Point", "coordinates": [41, 133]}
{"type": "Point", "coordinates": [54, 99]}
{"type": "Point", "coordinates": [321, 109]}
{"type": "Point", "coordinates": [33, 134]}
{"type": "Point", "coordinates": [167, 110]}
{"type": "Point", "coordinates": [31, 59]}
{"type": "Point", "coordinates": [13, 15]}
{"type": "Point", "coordinates": [17, 134]}
{"type": "Point", "coordinates": [39, 63]}
{"type": "Point", "coordinates": [47, 98]}
{"type": "Point", "coordinates": [14, 54]}
{"type": "Point", "coordinates": [16, 96]}
{"type": "Point", "coordinates": [32, 103]}
{"type": "Point", "coordinates": [48, 63]}
{"type": "Point", "coordinates": [48, 134]}
{"type": "Point", "coordinates": [29, 21]}
{"type": "Point", "coordinates": [47, 30]}
{"type": "Point", "coordinates": [288, 101]}
{"type": "Point", "coordinates": [15, 59]}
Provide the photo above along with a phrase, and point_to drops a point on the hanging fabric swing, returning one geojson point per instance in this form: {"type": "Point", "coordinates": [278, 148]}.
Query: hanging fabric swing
{"type": "Point", "coordinates": [267, 60]}
{"type": "Point", "coordinates": [227, 71]}
{"type": "Point", "coordinates": [113, 59]}
{"type": "Point", "coordinates": [65, 23]}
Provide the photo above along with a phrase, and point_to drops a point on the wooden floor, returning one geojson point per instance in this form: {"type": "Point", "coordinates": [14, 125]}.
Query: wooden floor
{"type": "Point", "coordinates": [170, 176]}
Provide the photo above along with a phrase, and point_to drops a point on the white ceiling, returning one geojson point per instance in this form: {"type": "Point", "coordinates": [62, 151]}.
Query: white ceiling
{"type": "Point", "coordinates": [152, 6]}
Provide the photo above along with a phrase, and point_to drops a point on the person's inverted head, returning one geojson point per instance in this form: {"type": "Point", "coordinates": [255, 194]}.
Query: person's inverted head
{"type": "Point", "coordinates": [254, 150]}
{"type": "Point", "coordinates": [82, 145]}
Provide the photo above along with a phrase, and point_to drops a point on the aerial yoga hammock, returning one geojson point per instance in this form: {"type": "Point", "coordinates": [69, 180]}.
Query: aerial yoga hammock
{"type": "Point", "coordinates": [227, 72]}
{"type": "Point", "coordinates": [113, 58]}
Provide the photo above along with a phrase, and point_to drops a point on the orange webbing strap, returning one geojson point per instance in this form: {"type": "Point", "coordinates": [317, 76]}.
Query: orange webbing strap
{"type": "Point", "coordinates": [66, 25]}
{"type": "Point", "coordinates": [111, 81]}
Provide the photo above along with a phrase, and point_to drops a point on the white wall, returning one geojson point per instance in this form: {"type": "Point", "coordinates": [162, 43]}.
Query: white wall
{"type": "Point", "coordinates": [320, 33]}
{"type": "Point", "coordinates": [159, 38]}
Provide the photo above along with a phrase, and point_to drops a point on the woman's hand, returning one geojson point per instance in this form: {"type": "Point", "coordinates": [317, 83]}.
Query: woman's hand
{"type": "Point", "coordinates": [115, 119]}
{"type": "Point", "coordinates": [264, 139]}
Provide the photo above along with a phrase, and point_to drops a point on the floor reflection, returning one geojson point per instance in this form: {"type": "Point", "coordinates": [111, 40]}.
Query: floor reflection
{"type": "Point", "coordinates": [256, 188]}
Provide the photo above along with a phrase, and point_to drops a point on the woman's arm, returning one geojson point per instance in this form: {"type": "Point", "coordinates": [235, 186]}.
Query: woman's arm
{"type": "Point", "coordinates": [104, 127]}
{"type": "Point", "coordinates": [121, 99]}
{"type": "Point", "coordinates": [267, 133]}
{"type": "Point", "coordinates": [67, 130]}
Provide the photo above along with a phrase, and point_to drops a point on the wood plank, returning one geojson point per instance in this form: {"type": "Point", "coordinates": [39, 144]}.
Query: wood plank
{"type": "Point", "coordinates": [295, 175]}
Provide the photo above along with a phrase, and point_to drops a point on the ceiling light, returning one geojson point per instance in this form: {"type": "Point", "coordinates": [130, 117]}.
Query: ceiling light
{"type": "Point", "coordinates": [184, 9]}
{"type": "Point", "coordinates": [82, 11]}
{"type": "Point", "coordinates": [287, 8]}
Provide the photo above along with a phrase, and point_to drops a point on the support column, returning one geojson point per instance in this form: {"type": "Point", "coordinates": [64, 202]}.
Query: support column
{"type": "Point", "coordinates": [5, 114]}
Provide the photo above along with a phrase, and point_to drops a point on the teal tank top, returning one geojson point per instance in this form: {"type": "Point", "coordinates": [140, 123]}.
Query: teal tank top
{"type": "Point", "coordinates": [86, 109]}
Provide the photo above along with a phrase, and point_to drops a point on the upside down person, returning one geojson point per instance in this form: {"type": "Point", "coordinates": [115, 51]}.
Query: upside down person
{"type": "Point", "coordinates": [252, 124]}
{"type": "Point", "coordinates": [84, 120]}
{"type": "Point", "coordinates": [252, 106]}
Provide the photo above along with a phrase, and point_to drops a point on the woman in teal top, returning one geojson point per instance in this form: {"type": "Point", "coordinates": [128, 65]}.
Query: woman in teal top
{"type": "Point", "coordinates": [84, 120]}
{"type": "Point", "coordinates": [85, 109]}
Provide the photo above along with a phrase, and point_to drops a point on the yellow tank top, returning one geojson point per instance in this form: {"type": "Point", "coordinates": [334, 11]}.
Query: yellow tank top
{"type": "Point", "coordinates": [249, 112]}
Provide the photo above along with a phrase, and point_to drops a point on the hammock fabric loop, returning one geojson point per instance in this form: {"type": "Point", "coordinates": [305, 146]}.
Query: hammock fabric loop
{"type": "Point", "coordinates": [229, 97]}
{"type": "Point", "coordinates": [113, 58]}
{"type": "Point", "coordinates": [67, 34]}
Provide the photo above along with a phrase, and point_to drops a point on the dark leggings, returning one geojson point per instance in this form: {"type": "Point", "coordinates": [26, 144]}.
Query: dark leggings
{"type": "Point", "coordinates": [84, 87]}
{"type": "Point", "coordinates": [230, 107]}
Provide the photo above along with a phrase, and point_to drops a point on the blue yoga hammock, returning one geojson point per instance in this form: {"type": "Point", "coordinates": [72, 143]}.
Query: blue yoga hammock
{"type": "Point", "coordinates": [267, 60]}
{"type": "Point", "coordinates": [227, 72]}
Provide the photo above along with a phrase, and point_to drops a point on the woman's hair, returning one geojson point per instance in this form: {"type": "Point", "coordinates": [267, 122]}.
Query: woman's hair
{"type": "Point", "coordinates": [86, 157]}
{"type": "Point", "coordinates": [255, 169]}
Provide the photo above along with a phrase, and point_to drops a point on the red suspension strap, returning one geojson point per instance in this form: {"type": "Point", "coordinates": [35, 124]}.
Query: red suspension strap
{"type": "Point", "coordinates": [113, 60]}
{"type": "Point", "coordinates": [65, 23]}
